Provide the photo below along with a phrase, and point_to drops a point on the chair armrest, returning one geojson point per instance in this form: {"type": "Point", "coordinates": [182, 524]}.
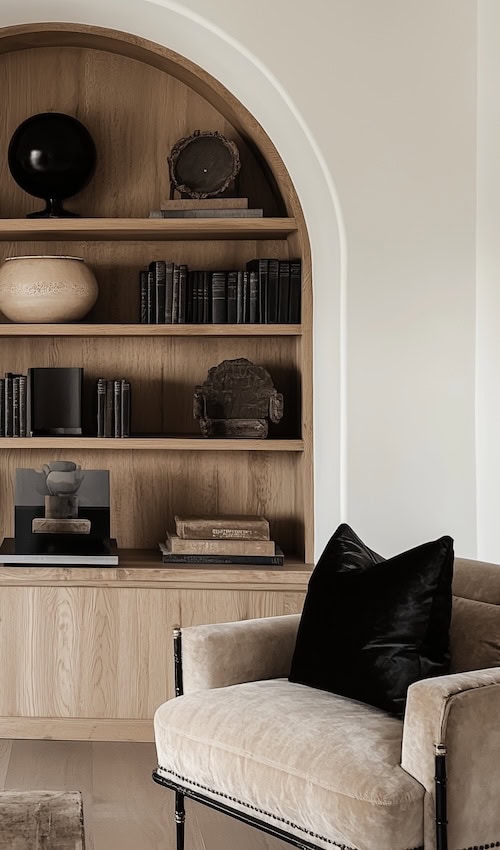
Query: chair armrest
{"type": "Point", "coordinates": [229, 653]}
{"type": "Point", "coordinates": [459, 712]}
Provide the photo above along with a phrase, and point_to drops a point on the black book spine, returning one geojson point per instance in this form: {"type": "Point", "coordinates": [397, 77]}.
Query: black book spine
{"type": "Point", "coordinates": [239, 298]}
{"type": "Point", "coordinates": [22, 405]}
{"type": "Point", "coordinates": [219, 298]}
{"type": "Point", "coordinates": [101, 407]}
{"type": "Point", "coordinates": [169, 285]}
{"type": "Point", "coordinates": [253, 289]}
{"type": "Point", "coordinates": [283, 292]}
{"type": "Point", "coordinates": [295, 292]}
{"type": "Point", "coordinates": [158, 268]}
{"type": "Point", "coordinates": [108, 414]}
{"type": "Point", "coordinates": [182, 293]}
{"type": "Point", "coordinates": [15, 406]}
{"type": "Point", "coordinates": [195, 319]}
{"type": "Point", "coordinates": [263, 560]}
{"type": "Point", "coordinates": [207, 297]}
{"type": "Point", "coordinates": [189, 296]}
{"type": "Point", "coordinates": [261, 267]}
{"type": "Point", "coordinates": [232, 283]}
{"type": "Point", "coordinates": [8, 418]}
{"type": "Point", "coordinates": [2, 407]}
{"type": "Point", "coordinates": [151, 298]}
{"type": "Point", "coordinates": [125, 409]}
{"type": "Point", "coordinates": [29, 395]}
{"type": "Point", "coordinates": [202, 287]}
{"type": "Point", "coordinates": [143, 288]}
{"type": "Point", "coordinates": [246, 297]}
{"type": "Point", "coordinates": [272, 291]}
{"type": "Point", "coordinates": [175, 295]}
{"type": "Point", "coordinates": [117, 408]}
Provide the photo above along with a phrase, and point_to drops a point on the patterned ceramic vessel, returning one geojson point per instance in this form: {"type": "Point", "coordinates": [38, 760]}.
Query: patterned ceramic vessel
{"type": "Point", "coordinates": [46, 289]}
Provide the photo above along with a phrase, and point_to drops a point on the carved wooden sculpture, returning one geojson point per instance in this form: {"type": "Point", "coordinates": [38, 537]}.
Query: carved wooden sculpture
{"type": "Point", "coordinates": [236, 400]}
{"type": "Point", "coordinates": [203, 165]}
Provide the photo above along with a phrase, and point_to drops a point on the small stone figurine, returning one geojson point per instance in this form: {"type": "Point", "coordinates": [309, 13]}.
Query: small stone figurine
{"type": "Point", "coordinates": [236, 400]}
{"type": "Point", "coordinates": [62, 478]}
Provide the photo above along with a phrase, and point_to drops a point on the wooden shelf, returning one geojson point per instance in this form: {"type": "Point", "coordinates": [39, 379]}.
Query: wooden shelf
{"type": "Point", "coordinates": [143, 568]}
{"type": "Point", "coordinates": [92, 330]}
{"type": "Point", "coordinates": [144, 229]}
{"type": "Point", "coordinates": [178, 444]}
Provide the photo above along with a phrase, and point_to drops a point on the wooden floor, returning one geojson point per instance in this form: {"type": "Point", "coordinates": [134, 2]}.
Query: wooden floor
{"type": "Point", "coordinates": [123, 808]}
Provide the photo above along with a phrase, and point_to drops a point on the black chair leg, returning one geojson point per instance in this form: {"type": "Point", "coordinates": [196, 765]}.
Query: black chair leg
{"type": "Point", "coordinates": [180, 817]}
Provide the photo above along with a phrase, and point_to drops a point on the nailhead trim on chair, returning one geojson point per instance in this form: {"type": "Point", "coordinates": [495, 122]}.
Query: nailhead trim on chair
{"type": "Point", "coordinates": [483, 846]}
{"type": "Point", "coordinates": [276, 817]}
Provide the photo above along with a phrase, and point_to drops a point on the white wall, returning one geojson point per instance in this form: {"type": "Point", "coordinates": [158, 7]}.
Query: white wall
{"type": "Point", "coordinates": [388, 91]}
{"type": "Point", "coordinates": [488, 281]}
{"type": "Point", "coordinates": [374, 101]}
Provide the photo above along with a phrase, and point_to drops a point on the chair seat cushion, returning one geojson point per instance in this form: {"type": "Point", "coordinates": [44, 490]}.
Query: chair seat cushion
{"type": "Point", "coordinates": [320, 766]}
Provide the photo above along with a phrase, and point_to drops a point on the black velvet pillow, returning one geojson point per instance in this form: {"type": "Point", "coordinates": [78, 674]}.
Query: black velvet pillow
{"type": "Point", "coordinates": [370, 626]}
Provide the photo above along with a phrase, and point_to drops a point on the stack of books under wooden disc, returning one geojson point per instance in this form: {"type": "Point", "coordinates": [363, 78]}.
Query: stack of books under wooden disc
{"type": "Point", "coordinates": [221, 540]}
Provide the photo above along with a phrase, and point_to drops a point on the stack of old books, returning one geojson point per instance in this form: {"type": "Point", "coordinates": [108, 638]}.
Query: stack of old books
{"type": "Point", "coordinates": [221, 540]}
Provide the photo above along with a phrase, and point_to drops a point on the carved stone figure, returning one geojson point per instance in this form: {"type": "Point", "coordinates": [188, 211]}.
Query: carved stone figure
{"type": "Point", "coordinates": [236, 400]}
{"type": "Point", "coordinates": [62, 478]}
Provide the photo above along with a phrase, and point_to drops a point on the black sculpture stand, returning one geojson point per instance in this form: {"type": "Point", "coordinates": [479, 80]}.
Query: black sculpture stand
{"type": "Point", "coordinates": [53, 209]}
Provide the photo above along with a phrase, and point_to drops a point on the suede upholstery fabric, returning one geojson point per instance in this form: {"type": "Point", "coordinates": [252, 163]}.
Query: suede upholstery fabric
{"type": "Point", "coordinates": [474, 635]}
{"type": "Point", "coordinates": [476, 580]}
{"type": "Point", "coordinates": [371, 626]}
{"type": "Point", "coordinates": [227, 653]}
{"type": "Point", "coordinates": [326, 763]}
{"type": "Point", "coordinates": [462, 712]}
{"type": "Point", "coordinates": [475, 622]}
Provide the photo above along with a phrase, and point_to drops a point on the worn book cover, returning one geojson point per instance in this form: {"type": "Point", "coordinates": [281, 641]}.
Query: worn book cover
{"type": "Point", "coordinates": [232, 546]}
{"type": "Point", "coordinates": [221, 527]}
{"type": "Point", "coordinates": [205, 203]}
{"type": "Point", "coordinates": [216, 560]}
{"type": "Point", "coordinates": [208, 213]}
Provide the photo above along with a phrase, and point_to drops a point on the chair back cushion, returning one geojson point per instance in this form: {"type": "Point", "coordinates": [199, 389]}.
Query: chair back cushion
{"type": "Point", "coordinates": [475, 619]}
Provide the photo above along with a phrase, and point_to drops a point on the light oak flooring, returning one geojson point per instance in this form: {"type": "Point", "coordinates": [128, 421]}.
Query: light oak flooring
{"type": "Point", "coordinates": [123, 808]}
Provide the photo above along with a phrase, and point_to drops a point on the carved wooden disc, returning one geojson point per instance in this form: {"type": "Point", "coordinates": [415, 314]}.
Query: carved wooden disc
{"type": "Point", "coordinates": [203, 165]}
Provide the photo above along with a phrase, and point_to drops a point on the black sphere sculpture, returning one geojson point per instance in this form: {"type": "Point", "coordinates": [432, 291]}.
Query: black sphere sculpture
{"type": "Point", "coordinates": [52, 156]}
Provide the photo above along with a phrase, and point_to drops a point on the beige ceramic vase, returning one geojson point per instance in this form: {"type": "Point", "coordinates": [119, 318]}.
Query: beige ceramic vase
{"type": "Point", "coordinates": [46, 289]}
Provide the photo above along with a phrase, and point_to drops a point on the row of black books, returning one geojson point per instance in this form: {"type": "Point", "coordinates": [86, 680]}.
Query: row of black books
{"type": "Point", "coordinates": [113, 407]}
{"type": "Point", "coordinates": [13, 398]}
{"type": "Point", "coordinates": [268, 291]}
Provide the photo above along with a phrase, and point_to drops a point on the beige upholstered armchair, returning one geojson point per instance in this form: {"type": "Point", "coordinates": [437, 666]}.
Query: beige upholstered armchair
{"type": "Point", "coordinates": [320, 770]}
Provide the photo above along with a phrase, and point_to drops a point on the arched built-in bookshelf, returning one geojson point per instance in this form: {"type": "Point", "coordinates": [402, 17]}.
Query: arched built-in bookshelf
{"type": "Point", "coordinates": [137, 98]}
